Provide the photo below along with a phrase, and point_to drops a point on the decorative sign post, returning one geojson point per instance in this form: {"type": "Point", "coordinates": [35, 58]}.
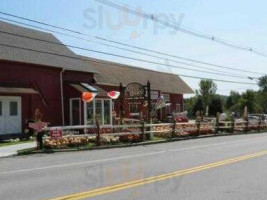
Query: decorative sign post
{"type": "Point", "coordinates": [38, 127]}
{"type": "Point", "coordinates": [134, 91]}
{"type": "Point", "coordinates": [149, 101]}
{"type": "Point", "coordinates": [121, 102]}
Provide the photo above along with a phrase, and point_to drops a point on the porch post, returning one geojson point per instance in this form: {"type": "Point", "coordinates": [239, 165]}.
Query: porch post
{"type": "Point", "coordinates": [121, 102]}
{"type": "Point", "coordinates": [149, 108]}
{"type": "Point", "coordinates": [149, 101]}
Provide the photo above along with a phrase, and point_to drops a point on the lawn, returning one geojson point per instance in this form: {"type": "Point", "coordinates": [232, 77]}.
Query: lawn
{"type": "Point", "coordinates": [4, 144]}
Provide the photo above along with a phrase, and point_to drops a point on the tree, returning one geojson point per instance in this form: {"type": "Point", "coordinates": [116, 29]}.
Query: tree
{"type": "Point", "coordinates": [250, 100]}
{"type": "Point", "coordinates": [198, 105]}
{"type": "Point", "coordinates": [216, 105]}
{"type": "Point", "coordinates": [263, 83]}
{"type": "Point", "coordinates": [232, 99]}
{"type": "Point", "coordinates": [207, 90]}
{"type": "Point", "coordinates": [189, 105]}
{"type": "Point", "coordinates": [262, 94]}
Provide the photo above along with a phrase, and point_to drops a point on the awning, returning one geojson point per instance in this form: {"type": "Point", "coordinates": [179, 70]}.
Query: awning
{"type": "Point", "coordinates": [16, 90]}
{"type": "Point", "coordinates": [85, 87]}
{"type": "Point", "coordinates": [101, 92]}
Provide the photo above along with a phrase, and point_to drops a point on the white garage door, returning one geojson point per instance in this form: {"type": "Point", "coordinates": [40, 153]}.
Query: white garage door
{"type": "Point", "coordinates": [10, 115]}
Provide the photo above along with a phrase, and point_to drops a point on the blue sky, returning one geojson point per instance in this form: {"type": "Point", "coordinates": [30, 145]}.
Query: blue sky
{"type": "Point", "coordinates": [241, 21]}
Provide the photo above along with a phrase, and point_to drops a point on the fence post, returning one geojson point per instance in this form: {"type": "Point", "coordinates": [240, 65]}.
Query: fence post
{"type": "Point", "coordinates": [259, 125]}
{"type": "Point", "coordinates": [173, 129]}
{"type": "Point", "coordinates": [97, 133]}
{"type": "Point", "coordinates": [142, 130]}
{"type": "Point", "coordinates": [198, 128]}
{"type": "Point", "coordinates": [40, 140]}
{"type": "Point", "coordinates": [217, 124]}
{"type": "Point", "coordinates": [246, 125]}
{"type": "Point", "coordinates": [233, 125]}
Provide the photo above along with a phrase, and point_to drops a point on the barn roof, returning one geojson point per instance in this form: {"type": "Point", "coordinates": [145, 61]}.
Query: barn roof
{"type": "Point", "coordinates": [111, 73]}
{"type": "Point", "coordinates": [8, 53]}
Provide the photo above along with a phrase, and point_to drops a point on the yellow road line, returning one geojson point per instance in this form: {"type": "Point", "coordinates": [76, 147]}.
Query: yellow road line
{"type": "Point", "coordinates": [131, 184]}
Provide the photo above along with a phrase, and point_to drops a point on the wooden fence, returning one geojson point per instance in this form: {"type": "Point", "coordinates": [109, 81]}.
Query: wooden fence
{"type": "Point", "coordinates": [74, 136]}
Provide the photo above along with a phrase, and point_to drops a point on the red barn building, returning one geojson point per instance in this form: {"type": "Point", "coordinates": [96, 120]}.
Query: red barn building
{"type": "Point", "coordinates": [111, 74]}
{"type": "Point", "coordinates": [30, 77]}
{"type": "Point", "coordinates": [42, 78]}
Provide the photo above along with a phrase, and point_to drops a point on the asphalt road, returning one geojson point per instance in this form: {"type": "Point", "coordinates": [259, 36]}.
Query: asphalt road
{"type": "Point", "coordinates": [232, 167]}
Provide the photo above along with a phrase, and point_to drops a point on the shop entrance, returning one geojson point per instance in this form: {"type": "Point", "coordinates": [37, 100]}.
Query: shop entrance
{"type": "Point", "coordinates": [10, 115]}
{"type": "Point", "coordinates": [75, 111]}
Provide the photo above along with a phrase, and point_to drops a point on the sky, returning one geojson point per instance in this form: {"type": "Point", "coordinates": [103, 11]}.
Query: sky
{"type": "Point", "coordinates": [241, 21]}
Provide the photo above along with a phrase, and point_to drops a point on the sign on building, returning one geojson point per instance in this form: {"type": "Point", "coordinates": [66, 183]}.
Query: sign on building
{"type": "Point", "coordinates": [134, 91]}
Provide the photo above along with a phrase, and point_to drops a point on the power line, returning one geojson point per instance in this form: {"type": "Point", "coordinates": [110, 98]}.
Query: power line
{"type": "Point", "coordinates": [129, 50]}
{"type": "Point", "coordinates": [101, 62]}
{"type": "Point", "coordinates": [117, 55]}
{"type": "Point", "coordinates": [180, 28]}
{"type": "Point", "coordinates": [124, 44]}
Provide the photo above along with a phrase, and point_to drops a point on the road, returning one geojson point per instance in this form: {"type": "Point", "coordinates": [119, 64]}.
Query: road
{"type": "Point", "coordinates": [232, 167]}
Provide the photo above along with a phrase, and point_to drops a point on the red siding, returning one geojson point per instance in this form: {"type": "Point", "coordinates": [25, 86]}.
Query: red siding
{"type": "Point", "coordinates": [46, 80]}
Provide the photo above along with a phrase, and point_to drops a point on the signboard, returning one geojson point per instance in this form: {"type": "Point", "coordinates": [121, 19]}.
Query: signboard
{"type": "Point", "coordinates": [38, 126]}
{"type": "Point", "coordinates": [134, 91]}
{"type": "Point", "coordinates": [56, 133]}
{"type": "Point", "coordinates": [154, 94]}
{"type": "Point", "coordinates": [166, 97]}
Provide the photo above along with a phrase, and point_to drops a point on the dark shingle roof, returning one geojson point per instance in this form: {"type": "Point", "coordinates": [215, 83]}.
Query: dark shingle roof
{"type": "Point", "coordinates": [111, 73]}
{"type": "Point", "coordinates": [26, 56]}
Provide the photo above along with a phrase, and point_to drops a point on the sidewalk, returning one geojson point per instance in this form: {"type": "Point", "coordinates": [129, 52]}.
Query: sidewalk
{"type": "Point", "coordinates": [12, 150]}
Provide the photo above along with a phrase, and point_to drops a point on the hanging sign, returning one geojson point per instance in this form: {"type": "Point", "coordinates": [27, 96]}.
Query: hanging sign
{"type": "Point", "coordinates": [114, 94]}
{"type": "Point", "coordinates": [88, 96]}
{"type": "Point", "coordinates": [38, 126]}
{"type": "Point", "coordinates": [134, 91]}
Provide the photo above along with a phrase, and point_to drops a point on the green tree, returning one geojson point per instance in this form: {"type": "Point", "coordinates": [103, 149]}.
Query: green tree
{"type": "Point", "coordinates": [232, 100]}
{"type": "Point", "coordinates": [207, 90]}
{"type": "Point", "coordinates": [249, 99]}
{"type": "Point", "coordinates": [189, 104]}
{"type": "Point", "coordinates": [216, 105]}
{"type": "Point", "coordinates": [262, 94]}
{"type": "Point", "coordinates": [198, 106]}
{"type": "Point", "coordinates": [263, 83]}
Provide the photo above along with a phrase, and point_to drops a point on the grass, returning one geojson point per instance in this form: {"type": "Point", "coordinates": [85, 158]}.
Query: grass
{"type": "Point", "coordinates": [156, 138]}
{"type": "Point", "coordinates": [4, 144]}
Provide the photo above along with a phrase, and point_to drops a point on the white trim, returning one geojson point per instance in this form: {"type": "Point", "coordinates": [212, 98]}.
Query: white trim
{"type": "Point", "coordinates": [6, 114]}
{"type": "Point", "coordinates": [102, 110]}
{"type": "Point", "coordinates": [84, 113]}
{"type": "Point", "coordinates": [80, 111]}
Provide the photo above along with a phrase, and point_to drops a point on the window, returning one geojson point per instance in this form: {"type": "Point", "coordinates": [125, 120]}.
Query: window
{"type": "Point", "coordinates": [168, 109]}
{"type": "Point", "coordinates": [98, 110]}
{"type": "Point", "coordinates": [90, 113]}
{"type": "Point", "coordinates": [178, 108]}
{"type": "Point", "coordinates": [1, 112]}
{"type": "Point", "coordinates": [13, 108]}
{"type": "Point", "coordinates": [101, 108]}
{"type": "Point", "coordinates": [133, 108]}
{"type": "Point", "coordinates": [107, 112]}
{"type": "Point", "coordinates": [166, 97]}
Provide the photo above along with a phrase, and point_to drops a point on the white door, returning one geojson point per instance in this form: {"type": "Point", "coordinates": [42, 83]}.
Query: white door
{"type": "Point", "coordinates": [11, 115]}
{"type": "Point", "coordinates": [75, 111]}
